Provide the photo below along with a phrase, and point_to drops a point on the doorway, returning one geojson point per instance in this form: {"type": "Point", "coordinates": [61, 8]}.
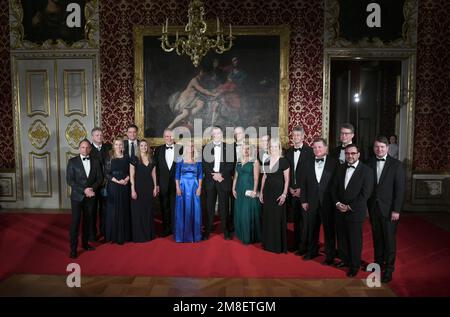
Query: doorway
{"type": "Point", "coordinates": [365, 93]}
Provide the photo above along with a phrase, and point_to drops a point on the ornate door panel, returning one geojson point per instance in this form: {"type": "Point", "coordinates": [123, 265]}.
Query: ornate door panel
{"type": "Point", "coordinates": [56, 101]}
{"type": "Point", "coordinates": [76, 111]}
{"type": "Point", "coordinates": [38, 141]}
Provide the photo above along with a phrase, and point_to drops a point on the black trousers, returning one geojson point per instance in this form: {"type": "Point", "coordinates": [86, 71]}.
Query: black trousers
{"type": "Point", "coordinates": [350, 239]}
{"type": "Point", "coordinates": [299, 219]}
{"type": "Point", "coordinates": [212, 192]}
{"type": "Point", "coordinates": [384, 233]}
{"type": "Point", "coordinates": [81, 212]}
{"type": "Point", "coordinates": [167, 201]}
{"type": "Point", "coordinates": [327, 216]}
{"type": "Point", "coordinates": [311, 231]}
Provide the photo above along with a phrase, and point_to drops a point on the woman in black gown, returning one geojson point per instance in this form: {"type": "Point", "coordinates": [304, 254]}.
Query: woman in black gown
{"type": "Point", "coordinates": [143, 191]}
{"type": "Point", "coordinates": [117, 222]}
{"type": "Point", "coordinates": [274, 188]}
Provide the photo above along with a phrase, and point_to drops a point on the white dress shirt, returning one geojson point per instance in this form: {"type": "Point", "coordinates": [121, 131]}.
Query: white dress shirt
{"type": "Point", "coordinates": [318, 167]}
{"type": "Point", "coordinates": [98, 147]}
{"type": "Point", "coordinates": [170, 154]}
{"type": "Point", "coordinates": [380, 166]}
{"type": "Point", "coordinates": [86, 165]}
{"type": "Point", "coordinates": [265, 157]}
{"type": "Point", "coordinates": [297, 156]}
{"type": "Point", "coordinates": [349, 173]}
{"type": "Point", "coordinates": [129, 147]}
{"type": "Point", "coordinates": [217, 157]}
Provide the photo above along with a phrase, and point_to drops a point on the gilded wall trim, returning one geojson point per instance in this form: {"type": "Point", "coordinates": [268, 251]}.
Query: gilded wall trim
{"type": "Point", "coordinates": [409, 30]}
{"type": "Point", "coordinates": [91, 30]}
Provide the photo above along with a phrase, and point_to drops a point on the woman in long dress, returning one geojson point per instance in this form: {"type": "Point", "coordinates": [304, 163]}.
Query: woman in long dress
{"type": "Point", "coordinates": [117, 169]}
{"type": "Point", "coordinates": [247, 208]}
{"type": "Point", "coordinates": [188, 212]}
{"type": "Point", "coordinates": [143, 192]}
{"type": "Point", "coordinates": [274, 188]}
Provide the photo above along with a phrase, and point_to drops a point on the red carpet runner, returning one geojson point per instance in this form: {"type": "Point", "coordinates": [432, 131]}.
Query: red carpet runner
{"type": "Point", "coordinates": [38, 244]}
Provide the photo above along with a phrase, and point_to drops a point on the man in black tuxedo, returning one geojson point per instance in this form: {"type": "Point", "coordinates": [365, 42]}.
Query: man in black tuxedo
{"type": "Point", "coordinates": [218, 167]}
{"type": "Point", "coordinates": [130, 146]}
{"type": "Point", "coordinates": [385, 205]}
{"type": "Point", "coordinates": [99, 151]}
{"type": "Point", "coordinates": [298, 156]}
{"type": "Point", "coordinates": [84, 176]}
{"type": "Point", "coordinates": [166, 156]}
{"type": "Point", "coordinates": [346, 134]}
{"type": "Point", "coordinates": [316, 202]}
{"type": "Point", "coordinates": [352, 188]}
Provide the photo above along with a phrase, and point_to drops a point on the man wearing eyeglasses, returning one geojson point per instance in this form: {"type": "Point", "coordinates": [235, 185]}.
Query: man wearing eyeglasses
{"type": "Point", "coordinates": [347, 132]}
{"type": "Point", "coordinates": [352, 188]}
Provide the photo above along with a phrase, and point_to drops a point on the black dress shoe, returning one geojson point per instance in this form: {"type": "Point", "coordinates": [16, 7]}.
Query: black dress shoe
{"type": "Point", "coordinates": [387, 277]}
{"type": "Point", "coordinates": [341, 264]}
{"type": "Point", "coordinates": [226, 236]}
{"type": "Point", "coordinates": [73, 254]}
{"type": "Point", "coordinates": [328, 262]}
{"type": "Point", "coordinates": [205, 237]}
{"type": "Point", "coordinates": [308, 257]}
{"type": "Point", "coordinates": [300, 253]}
{"type": "Point", "coordinates": [352, 272]}
{"type": "Point", "coordinates": [88, 247]}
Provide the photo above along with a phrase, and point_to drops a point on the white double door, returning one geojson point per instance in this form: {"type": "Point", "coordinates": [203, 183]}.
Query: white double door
{"type": "Point", "coordinates": [56, 99]}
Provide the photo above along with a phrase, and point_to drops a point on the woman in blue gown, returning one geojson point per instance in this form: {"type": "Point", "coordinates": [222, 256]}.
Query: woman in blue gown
{"type": "Point", "coordinates": [188, 213]}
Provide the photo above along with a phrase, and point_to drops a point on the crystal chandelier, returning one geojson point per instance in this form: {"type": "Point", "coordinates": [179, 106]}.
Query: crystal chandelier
{"type": "Point", "coordinates": [197, 44]}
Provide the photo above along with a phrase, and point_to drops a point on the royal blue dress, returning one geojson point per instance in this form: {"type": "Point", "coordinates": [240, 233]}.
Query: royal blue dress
{"type": "Point", "coordinates": [188, 212]}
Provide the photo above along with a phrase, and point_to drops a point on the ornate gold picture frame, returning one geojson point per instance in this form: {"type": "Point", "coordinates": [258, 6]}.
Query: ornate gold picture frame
{"type": "Point", "coordinates": [160, 79]}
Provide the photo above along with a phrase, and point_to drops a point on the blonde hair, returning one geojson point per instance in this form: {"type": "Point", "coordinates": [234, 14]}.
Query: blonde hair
{"type": "Point", "coordinates": [276, 141]}
{"type": "Point", "coordinates": [189, 142]}
{"type": "Point", "coordinates": [112, 153]}
{"type": "Point", "coordinates": [251, 150]}
{"type": "Point", "coordinates": [149, 152]}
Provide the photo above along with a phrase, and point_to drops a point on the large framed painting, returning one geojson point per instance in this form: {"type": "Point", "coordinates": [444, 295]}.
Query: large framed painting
{"type": "Point", "coordinates": [54, 24]}
{"type": "Point", "coordinates": [246, 86]}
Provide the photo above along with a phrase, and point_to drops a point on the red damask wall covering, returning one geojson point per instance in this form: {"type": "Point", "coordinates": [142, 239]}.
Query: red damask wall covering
{"type": "Point", "coordinates": [117, 69]}
{"type": "Point", "coordinates": [432, 142]}
{"type": "Point", "coordinates": [432, 117]}
{"type": "Point", "coordinates": [6, 114]}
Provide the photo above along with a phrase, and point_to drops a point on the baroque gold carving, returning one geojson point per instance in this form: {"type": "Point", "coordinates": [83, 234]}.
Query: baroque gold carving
{"type": "Point", "coordinates": [91, 29]}
{"type": "Point", "coordinates": [332, 28]}
{"type": "Point", "coordinates": [75, 132]}
{"type": "Point", "coordinates": [38, 134]}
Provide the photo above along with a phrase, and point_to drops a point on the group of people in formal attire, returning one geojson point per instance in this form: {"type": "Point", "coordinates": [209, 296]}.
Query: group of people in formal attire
{"type": "Point", "coordinates": [114, 190]}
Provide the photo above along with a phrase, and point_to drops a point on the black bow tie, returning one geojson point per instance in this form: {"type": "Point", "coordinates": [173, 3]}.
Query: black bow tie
{"type": "Point", "coordinates": [86, 158]}
{"type": "Point", "coordinates": [216, 145]}
{"type": "Point", "coordinates": [169, 147]}
{"type": "Point", "coordinates": [299, 149]}
{"type": "Point", "coordinates": [350, 166]}
{"type": "Point", "coordinates": [319, 160]}
{"type": "Point", "coordinates": [380, 159]}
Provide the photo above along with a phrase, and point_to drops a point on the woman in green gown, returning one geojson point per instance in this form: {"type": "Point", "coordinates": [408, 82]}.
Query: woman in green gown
{"type": "Point", "coordinates": [247, 208]}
